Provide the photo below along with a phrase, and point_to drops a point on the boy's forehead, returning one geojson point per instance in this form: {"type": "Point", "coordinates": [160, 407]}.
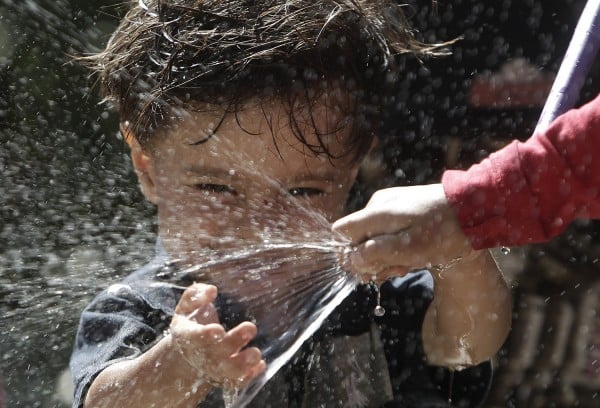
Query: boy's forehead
{"type": "Point", "coordinates": [258, 138]}
{"type": "Point", "coordinates": [326, 117]}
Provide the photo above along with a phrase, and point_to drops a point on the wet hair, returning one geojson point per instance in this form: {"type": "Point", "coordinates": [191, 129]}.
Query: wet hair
{"type": "Point", "coordinates": [184, 54]}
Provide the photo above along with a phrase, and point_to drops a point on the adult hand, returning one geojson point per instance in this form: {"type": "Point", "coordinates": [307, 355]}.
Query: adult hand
{"type": "Point", "coordinates": [403, 228]}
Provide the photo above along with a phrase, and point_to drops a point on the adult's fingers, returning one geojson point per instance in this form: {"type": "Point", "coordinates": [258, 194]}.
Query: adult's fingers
{"type": "Point", "coordinates": [392, 271]}
{"type": "Point", "coordinates": [370, 222]}
{"type": "Point", "coordinates": [387, 251]}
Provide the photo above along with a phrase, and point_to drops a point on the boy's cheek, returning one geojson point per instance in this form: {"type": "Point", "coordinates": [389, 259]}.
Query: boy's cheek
{"type": "Point", "coordinates": [191, 228]}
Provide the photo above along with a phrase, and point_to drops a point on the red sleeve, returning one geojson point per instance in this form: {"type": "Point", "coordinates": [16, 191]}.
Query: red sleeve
{"type": "Point", "coordinates": [530, 192]}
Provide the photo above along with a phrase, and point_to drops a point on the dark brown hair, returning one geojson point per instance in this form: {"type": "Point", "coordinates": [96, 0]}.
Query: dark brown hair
{"type": "Point", "coordinates": [169, 54]}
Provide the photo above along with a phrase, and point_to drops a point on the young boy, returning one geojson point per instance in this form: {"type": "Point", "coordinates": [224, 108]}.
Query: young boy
{"type": "Point", "coordinates": [243, 118]}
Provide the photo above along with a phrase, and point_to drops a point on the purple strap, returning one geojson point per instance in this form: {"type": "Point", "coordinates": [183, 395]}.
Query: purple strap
{"type": "Point", "coordinates": [575, 65]}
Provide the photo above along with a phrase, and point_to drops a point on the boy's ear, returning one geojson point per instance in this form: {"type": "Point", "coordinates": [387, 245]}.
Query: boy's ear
{"type": "Point", "coordinates": [142, 163]}
{"type": "Point", "coordinates": [372, 168]}
{"type": "Point", "coordinates": [374, 144]}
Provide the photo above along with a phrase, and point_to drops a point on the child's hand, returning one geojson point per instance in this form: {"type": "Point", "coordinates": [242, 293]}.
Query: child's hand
{"type": "Point", "coordinates": [207, 347]}
{"type": "Point", "coordinates": [403, 228]}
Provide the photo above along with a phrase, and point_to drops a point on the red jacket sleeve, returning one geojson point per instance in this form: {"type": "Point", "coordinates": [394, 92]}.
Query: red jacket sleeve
{"type": "Point", "coordinates": [531, 191]}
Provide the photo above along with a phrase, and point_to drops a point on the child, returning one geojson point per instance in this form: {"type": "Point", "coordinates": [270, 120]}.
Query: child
{"type": "Point", "coordinates": [240, 115]}
{"type": "Point", "coordinates": [527, 192]}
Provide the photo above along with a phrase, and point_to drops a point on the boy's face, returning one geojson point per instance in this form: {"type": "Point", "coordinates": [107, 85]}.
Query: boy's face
{"type": "Point", "coordinates": [249, 181]}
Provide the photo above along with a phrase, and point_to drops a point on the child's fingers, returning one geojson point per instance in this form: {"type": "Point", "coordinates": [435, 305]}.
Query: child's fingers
{"type": "Point", "coordinates": [244, 365]}
{"type": "Point", "coordinates": [196, 297]}
{"type": "Point", "coordinates": [196, 335]}
{"type": "Point", "coordinates": [238, 337]}
{"type": "Point", "coordinates": [213, 336]}
{"type": "Point", "coordinates": [198, 345]}
{"type": "Point", "coordinates": [205, 314]}
{"type": "Point", "coordinates": [246, 358]}
{"type": "Point", "coordinates": [255, 372]}
{"type": "Point", "coordinates": [217, 354]}
{"type": "Point", "coordinates": [233, 362]}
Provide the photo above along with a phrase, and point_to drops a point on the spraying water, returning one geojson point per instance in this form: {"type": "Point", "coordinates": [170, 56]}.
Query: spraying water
{"type": "Point", "coordinates": [71, 221]}
{"type": "Point", "coordinates": [287, 289]}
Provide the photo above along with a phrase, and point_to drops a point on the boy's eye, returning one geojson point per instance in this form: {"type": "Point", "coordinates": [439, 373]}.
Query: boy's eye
{"type": "Point", "coordinates": [216, 188]}
{"type": "Point", "coordinates": [305, 192]}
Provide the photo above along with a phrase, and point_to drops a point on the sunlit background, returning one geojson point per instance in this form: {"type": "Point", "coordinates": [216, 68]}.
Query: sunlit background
{"type": "Point", "coordinates": [72, 220]}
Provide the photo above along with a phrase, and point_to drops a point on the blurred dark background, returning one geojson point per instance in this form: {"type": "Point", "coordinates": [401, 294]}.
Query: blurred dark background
{"type": "Point", "coordinates": [72, 219]}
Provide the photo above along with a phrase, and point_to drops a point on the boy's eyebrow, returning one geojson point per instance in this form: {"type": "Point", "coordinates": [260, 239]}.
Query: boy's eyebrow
{"type": "Point", "coordinates": [210, 171]}
{"type": "Point", "coordinates": [222, 173]}
{"type": "Point", "coordinates": [326, 175]}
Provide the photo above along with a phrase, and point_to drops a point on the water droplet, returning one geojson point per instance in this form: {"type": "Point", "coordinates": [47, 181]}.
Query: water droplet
{"type": "Point", "coordinates": [229, 396]}
{"type": "Point", "coordinates": [505, 250]}
{"type": "Point", "coordinates": [379, 311]}
{"type": "Point", "coordinates": [492, 316]}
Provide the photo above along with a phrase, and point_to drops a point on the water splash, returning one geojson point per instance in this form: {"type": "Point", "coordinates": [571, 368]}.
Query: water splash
{"type": "Point", "coordinates": [270, 280]}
